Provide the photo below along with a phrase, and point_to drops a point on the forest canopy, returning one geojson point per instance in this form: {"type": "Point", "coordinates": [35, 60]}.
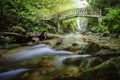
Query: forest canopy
{"type": "Point", "coordinates": [28, 13]}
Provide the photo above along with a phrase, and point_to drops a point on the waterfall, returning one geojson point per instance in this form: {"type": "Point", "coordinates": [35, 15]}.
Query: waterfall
{"type": "Point", "coordinates": [81, 22]}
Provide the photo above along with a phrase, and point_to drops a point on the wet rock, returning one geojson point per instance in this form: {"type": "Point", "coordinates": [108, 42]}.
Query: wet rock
{"type": "Point", "coordinates": [43, 36]}
{"type": "Point", "coordinates": [89, 63]}
{"type": "Point", "coordinates": [114, 35]}
{"type": "Point", "coordinates": [19, 30]}
{"type": "Point", "coordinates": [75, 44]}
{"type": "Point", "coordinates": [73, 48]}
{"type": "Point", "coordinates": [105, 34]}
{"type": "Point", "coordinates": [30, 43]}
{"type": "Point", "coordinates": [105, 47]}
{"type": "Point", "coordinates": [72, 61]}
{"type": "Point", "coordinates": [5, 40]}
{"type": "Point", "coordinates": [46, 42]}
{"type": "Point", "coordinates": [64, 77]}
{"type": "Point", "coordinates": [3, 57]}
{"type": "Point", "coordinates": [59, 41]}
{"type": "Point", "coordinates": [91, 48]}
{"type": "Point", "coordinates": [108, 70]}
{"type": "Point", "coordinates": [51, 36]}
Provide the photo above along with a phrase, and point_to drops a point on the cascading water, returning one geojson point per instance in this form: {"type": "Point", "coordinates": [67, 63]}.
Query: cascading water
{"type": "Point", "coordinates": [81, 22]}
{"type": "Point", "coordinates": [12, 73]}
{"type": "Point", "coordinates": [37, 51]}
{"type": "Point", "coordinates": [40, 50]}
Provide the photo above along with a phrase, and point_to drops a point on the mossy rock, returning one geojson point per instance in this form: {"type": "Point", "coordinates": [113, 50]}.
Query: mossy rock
{"type": "Point", "coordinates": [108, 70]}
{"type": "Point", "coordinates": [91, 48]}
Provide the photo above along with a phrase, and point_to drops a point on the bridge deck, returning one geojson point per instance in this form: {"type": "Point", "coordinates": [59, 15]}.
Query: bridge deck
{"type": "Point", "coordinates": [78, 12]}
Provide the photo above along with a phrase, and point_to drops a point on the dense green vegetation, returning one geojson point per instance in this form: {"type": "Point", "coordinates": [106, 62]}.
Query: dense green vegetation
{"type": "Point", "coordinates": [111, 15]}
{"type": "Point", "coordinates": [28, 14]}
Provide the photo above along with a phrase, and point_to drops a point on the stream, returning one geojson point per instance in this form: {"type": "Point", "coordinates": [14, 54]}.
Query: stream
{"type": "Point", "coordinates": [46, 62]}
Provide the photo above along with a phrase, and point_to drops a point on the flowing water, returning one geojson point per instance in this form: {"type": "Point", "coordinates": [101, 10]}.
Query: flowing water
{"type": "Point", "coordinates": [37, 62]}
{"type": "Point", "coordinates": [12, 73]}
{"type": "Point", "coordinates": [38, 52]}
{"type": "Point", "coordinates": [81, 24]}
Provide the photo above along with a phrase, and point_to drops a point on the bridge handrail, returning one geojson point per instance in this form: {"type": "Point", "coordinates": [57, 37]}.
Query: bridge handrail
{"type": "Point", "coordinates": [76, 12]}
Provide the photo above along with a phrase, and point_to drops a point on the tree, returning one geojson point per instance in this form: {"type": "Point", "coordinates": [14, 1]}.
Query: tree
{"type": "Point", "coordinates": [111, 15]}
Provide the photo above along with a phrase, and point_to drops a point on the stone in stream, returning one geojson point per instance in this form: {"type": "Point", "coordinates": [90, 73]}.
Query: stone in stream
{"type": "Point", "coordinates": [73, 48]}
{"type": "Point", "coordinates": [108, 70]}
{"type": "Point", "coordinates": [91, 48]}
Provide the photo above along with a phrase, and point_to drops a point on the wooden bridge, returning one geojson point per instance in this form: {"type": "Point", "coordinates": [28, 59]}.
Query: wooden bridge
{"type": "Point", "coordinates": [77, 12]}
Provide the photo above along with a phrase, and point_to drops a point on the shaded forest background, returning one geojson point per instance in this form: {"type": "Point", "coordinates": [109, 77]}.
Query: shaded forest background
{"type": "Point", "coordinates": [29, 13]}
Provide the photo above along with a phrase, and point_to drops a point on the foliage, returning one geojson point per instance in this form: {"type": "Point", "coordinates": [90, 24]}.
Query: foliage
{"type": "Point", "coordinates": [111, 19]}
{"type": "Point", "coordinates": [111, 15]}
{"type": "Point", "coordinates": [69, 25]}
{"type": "Point", "coordinates": [28, 13]}
{"type": "Point", "coordinates": [13, 13]}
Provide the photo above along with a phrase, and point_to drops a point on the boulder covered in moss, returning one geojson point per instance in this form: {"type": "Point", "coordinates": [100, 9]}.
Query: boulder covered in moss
{"type": "Point", "coordinates": [108, 70]}
{"type": "Point", "coordinates": [91, 48]}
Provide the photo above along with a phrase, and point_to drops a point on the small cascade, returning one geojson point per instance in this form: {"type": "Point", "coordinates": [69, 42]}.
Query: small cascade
{"type": "Point", "coordinates": [12, 73]}
{"type": "Point", "coordinates": [37, 51]}
{"type": "Point", "coordinates": [58, 62]}
{"type": "Point", "coordinates": [81, 24]}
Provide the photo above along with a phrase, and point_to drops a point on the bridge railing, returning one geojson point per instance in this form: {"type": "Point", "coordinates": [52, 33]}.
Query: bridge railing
{"type": "Point", "coordinates": [78, 12]}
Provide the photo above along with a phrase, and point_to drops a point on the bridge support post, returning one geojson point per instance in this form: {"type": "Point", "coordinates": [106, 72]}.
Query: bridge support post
{"type": "Point", "coordinates": [59, 26]}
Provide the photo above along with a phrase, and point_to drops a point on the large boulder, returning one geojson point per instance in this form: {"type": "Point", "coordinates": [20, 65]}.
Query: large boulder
{"type": "Point", "coordinates": [91, 48]}
{"type": "Point", "coordinates": [108, 70]}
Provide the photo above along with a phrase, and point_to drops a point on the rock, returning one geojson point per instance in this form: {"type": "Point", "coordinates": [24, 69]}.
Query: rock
{"type": "Point", "coordinates": [108, 70]}
{"type": "Point", "coordinates": [19, 30]}
{"type": "Point", "coordinates": [46, 42]}
{"type": "Point", "coordinates": [105, 34]}
{"type": "Point", "coordinates": [35, 40]}
{"type": "Point", "coordinates": [52, 36]}
{"type": "Point", "coordinates": [5, 40]}
{"type": "Point", "coordinates": [43, 36]}
{"type": "Point", "coordinates": [59, 41]}
{"type": "Point", "coordinates": [64, 77]}
{"type": "Point", "coordinates": [105, 47]}
{"type": "Point", "coordinates": [75, 44]}
{"type": "Point", "coordinates": [73, 48]}
{"type": "Point", "coordinates": [91, 48]}
{"type": "Point", "coordinates": [73, 61]}
{"type": "Point", "coordinates": [30, 43]}
{"type": "Point", "coordinates": [87, 63]}
{"type": "Point", "coordinates": [3, 57]}
{"type": "Point", "coordinates": [6, 46]}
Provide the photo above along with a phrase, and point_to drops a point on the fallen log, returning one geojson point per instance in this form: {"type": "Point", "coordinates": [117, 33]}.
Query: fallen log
{"type": "Point", "coordinates": [11, 34]}
{"type": "Point", "coordinates": [28, 37]}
